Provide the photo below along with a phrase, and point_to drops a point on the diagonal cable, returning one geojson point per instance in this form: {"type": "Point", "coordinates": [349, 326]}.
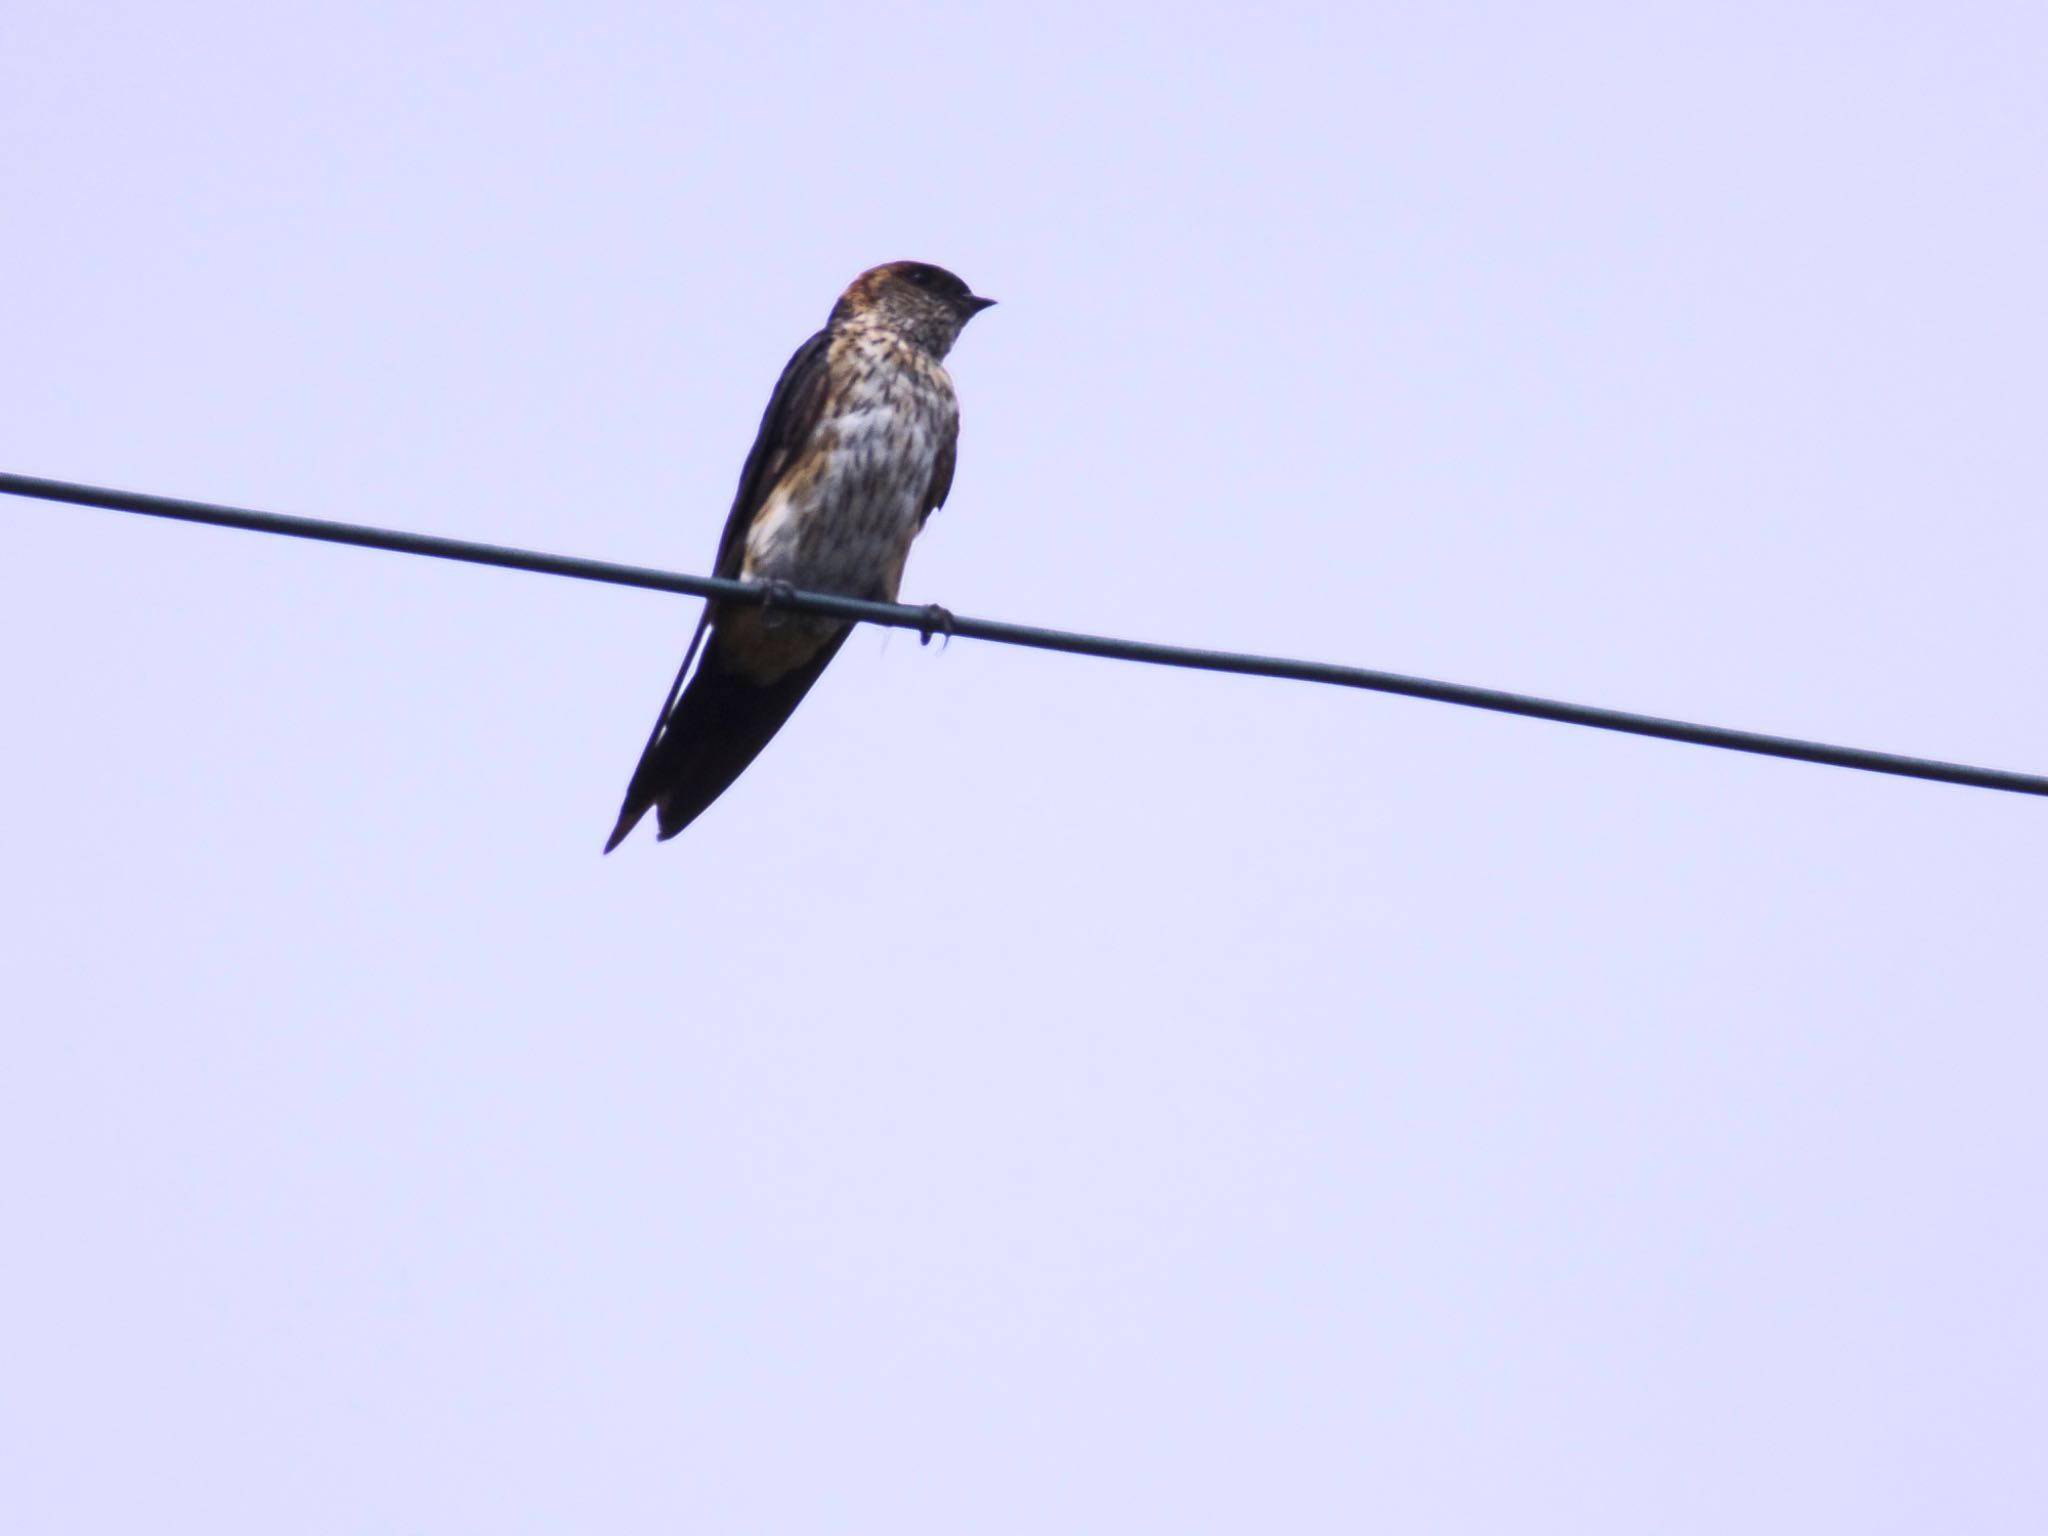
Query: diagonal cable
{"type": "Point", "coordinates": [926, 620]}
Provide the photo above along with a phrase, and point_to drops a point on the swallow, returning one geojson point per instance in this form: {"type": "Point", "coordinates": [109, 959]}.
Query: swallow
{"type": "Point", "coordinates": [854, 453]}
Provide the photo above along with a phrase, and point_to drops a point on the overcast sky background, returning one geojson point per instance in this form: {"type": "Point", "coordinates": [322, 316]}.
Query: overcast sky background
{"type": "Point", "coordinates": [1044, 1094]}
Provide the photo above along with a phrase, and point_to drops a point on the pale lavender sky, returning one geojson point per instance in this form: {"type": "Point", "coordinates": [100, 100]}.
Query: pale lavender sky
{"type": "Point", "coordinates": [1044, 1095]}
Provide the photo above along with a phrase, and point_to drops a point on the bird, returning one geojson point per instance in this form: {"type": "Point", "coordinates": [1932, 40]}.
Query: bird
{"type": "Point", "coordinates": [855, 451]}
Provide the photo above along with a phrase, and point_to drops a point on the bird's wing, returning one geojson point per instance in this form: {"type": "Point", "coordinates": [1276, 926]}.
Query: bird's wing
{"type": "Point", "coordinates": [942, 476]}
{"type": "Point", "coordinates": [791, 417]}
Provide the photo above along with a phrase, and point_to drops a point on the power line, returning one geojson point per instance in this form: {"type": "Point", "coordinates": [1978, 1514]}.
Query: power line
{"type": "Point", "coordinates": [928, 620]}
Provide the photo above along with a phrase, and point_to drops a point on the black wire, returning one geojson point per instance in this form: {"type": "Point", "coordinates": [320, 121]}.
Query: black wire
{"type": "Point", "coordinates": [929, 620]}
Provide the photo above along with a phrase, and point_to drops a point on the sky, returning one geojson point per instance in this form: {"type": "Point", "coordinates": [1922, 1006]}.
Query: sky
{"type": "Point", "coordinates": [1044, 1094]}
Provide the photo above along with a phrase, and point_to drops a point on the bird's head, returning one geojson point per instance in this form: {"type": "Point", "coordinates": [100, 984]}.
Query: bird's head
{"type": "Point", "coordinates": [927, 305]}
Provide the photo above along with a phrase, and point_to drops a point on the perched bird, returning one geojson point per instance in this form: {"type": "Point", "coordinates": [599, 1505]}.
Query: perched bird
{"type": "Point", "coordinates": [855, 451]}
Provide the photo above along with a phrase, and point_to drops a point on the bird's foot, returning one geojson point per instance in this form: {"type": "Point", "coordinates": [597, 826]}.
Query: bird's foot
{"type": "Point", "coordinates": [937, 621]}
{"type": "Point", "coordinates": [776, 596]}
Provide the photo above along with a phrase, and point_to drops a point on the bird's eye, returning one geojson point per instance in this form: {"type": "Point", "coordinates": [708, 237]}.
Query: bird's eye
{"type": "Point", "coordinates": [921, 277]}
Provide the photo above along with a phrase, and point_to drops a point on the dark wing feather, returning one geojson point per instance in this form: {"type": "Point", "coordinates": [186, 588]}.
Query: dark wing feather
{"type": "Point", "coordinates": [942, 477]}
{"type": "Point", "coordinates": [718, 727]}
{"type": "Point", "coordinates": [792, 415]}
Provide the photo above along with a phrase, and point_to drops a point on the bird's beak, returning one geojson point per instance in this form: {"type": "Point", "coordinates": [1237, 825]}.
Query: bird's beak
{"type": "Point", "coordinates": [977, 304]}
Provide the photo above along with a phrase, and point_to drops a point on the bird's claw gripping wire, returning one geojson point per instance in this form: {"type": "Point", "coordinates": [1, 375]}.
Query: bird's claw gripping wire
{"type": "Point", "coordinates": [776, 597]}
{"type": "Point", "coordinates": [937, 621]}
